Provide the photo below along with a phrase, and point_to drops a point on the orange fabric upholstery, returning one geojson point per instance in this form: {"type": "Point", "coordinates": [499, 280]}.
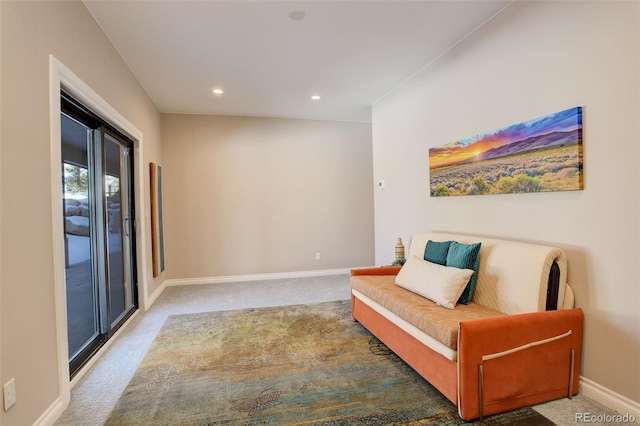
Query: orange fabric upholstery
{"type": "Point", "coordinates": [383, 270]}
{"type": "Point", "coordinates": [528, 376]}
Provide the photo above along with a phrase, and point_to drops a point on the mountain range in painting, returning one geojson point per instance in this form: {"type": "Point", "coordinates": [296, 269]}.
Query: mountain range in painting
{"type": "Point", "coordinates": [533, 142]}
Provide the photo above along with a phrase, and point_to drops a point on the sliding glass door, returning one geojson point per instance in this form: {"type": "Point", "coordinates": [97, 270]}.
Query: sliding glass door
{"type": "Point", "coordinates": [99, 230]}
{"type": "Point", "coordinates": [83, 323]}
{"type": "Point", "coordinates": [119, 229]}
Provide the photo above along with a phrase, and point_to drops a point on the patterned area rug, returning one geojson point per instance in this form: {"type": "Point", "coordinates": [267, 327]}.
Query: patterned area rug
{"type": "Point", "coordinates": [292, 365]}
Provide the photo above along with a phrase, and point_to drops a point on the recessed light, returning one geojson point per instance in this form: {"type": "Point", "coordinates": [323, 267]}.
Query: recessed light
{"type": "Point", "coordinates": [315, 97]}
{"type": "Point", "coordinates": [218, 91]}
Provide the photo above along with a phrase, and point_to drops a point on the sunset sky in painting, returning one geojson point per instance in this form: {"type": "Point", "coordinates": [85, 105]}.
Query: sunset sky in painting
{"type": "Point", "coordinates": [464, 149]}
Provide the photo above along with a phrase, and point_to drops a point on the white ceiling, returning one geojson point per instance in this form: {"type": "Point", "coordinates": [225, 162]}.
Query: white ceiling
{"type": "Point", "coordinates": [351, 53]}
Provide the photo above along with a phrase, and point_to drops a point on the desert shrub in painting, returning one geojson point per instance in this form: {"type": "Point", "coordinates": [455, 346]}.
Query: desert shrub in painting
{"type": "Point", "coordinates": [441, 191]}
{"type": "Point", "coordinates": [518, 183]}
{"type": "Point", "coordinates": [556, 168]}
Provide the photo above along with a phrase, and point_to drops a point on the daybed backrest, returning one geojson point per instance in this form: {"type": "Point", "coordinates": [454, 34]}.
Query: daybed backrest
{"type": "Point", "coordinates": [512, 276]}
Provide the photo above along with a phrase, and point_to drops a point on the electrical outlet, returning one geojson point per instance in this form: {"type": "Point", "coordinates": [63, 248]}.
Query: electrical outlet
{"type": "Point", "coordinates": [317, 256]}
{"type": "Point", "coordinates": [9, 394]}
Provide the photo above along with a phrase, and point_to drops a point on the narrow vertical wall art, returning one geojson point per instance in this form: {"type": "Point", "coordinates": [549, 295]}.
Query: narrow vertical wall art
{"type": "Point", "coordinates": [539, 155]}
{"type": "Point", "coordinates": [157, 236]}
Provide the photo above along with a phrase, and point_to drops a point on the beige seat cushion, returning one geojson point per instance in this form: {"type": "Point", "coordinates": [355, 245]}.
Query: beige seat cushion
{"type": "Point", "coordinates": [436, 321]}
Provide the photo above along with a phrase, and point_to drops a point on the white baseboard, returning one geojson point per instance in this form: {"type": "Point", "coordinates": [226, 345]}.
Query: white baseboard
{"type": "Point", "coordinates": [52, 413]}
{"type": "Point", "coordinates": [609, 399]}
{"type": "Point", "coordinates": [254, 277]}
{"type": "Point", "coordinates": [150, 300]}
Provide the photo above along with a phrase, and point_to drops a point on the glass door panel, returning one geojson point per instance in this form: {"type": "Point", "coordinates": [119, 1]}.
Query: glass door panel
{"type": "Point", "coordinates": [81, 286]}
{"type": "Point", "coordinates": [117, 193]}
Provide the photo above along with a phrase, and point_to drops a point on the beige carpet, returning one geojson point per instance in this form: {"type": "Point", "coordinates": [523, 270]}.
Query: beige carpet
{"type": "Point", "coordinates": [301, 364]}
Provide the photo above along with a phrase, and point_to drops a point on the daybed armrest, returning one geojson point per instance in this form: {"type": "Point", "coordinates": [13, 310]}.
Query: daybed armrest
{"type": "Point", "coordinates": [520, 359]}
{"type": "Point", "coordinates": [382, 270]}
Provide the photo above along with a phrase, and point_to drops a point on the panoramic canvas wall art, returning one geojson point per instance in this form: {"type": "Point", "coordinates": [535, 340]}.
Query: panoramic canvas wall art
{"type": "Point", "coordinates": [539, 155]}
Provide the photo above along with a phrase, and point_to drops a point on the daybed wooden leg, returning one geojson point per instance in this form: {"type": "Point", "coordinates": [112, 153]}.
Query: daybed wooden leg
{"type": "Point", "coordinates": [571, 374]}
{"type": "Point", "coordinates": [480, 389]}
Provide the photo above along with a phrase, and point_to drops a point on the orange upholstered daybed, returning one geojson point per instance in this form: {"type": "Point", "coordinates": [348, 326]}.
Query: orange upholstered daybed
{"type": "Point", "coordinates": [505, 338]}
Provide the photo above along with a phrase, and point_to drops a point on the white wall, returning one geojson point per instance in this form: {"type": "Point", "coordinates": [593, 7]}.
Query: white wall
{"type": "Point", "coordinates": [533, 59]}
{"type": "Point", "coordinates": [247, 195]}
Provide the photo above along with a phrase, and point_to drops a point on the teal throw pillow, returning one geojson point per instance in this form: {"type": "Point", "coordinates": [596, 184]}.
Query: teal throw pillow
{"type": "Point", "coordinates": [465, 256]}
{"type": "Point", "coordinates": [436, 252]}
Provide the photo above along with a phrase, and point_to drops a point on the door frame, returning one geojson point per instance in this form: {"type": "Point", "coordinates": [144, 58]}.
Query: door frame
{"type": "Point", "coordinates": [62, 78]}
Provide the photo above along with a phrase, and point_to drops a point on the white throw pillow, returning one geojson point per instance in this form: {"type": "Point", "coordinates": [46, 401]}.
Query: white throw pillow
{"type": "Point", "coordinates": [441, 284]}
